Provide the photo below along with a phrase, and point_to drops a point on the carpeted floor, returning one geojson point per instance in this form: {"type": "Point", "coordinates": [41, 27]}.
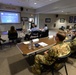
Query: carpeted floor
{"type": "Point", "coordinates": [12, 62]}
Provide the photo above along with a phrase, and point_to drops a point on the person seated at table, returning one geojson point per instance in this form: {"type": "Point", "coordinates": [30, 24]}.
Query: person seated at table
{"type": "Point", "coordinates": [28, 34]}
{"type": "Point", "coordinates": [72, 44]}
{"type": "Point", "coordinates": [61, 31]}
{"type": "Point", "coordinates": [73, 41]}
{"type": "Point", "coordinates": [62, 28]}
{"type": "Point", "coordinates": [57, 50]}
{"type": "Point", "coordinates": [12, 34]}
{"type": "Point", "coordinates": [74, 27]}
{"type": "Point", "coordinates": [69, 32]}
{"type": "Point", "coordinates": [70, 35]}
{"type": "Point", "coordinates": [32, 25]}
{"type": "Point", "coordinates": [45, 28]}
{"type": "Point", "coordinates": [34, 31]}
{"type": "Point", "coordinates": [45, 31]}
{"type": "Point", "coordinates": [74, 34]}
{"type": "Point", "coordinates": [34, 28]}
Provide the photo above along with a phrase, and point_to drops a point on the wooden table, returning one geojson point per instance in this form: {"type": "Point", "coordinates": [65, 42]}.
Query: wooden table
{"type": "Point", "coordinates": [26, 51]}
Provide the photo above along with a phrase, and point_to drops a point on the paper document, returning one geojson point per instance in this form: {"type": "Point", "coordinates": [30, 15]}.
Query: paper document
{"type": "Point", "coordinates": [42, 44]}
{"type": "Point", "coordinates": [50, 36]}
{"type": "Point", "coordinates": [35, 40]}
{"type": "Point", "coordinates": [27, 42]}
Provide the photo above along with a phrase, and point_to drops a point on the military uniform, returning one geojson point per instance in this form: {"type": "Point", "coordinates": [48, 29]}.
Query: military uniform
{"type": "Point", "coordinates": [73, 42]}
{"type": "Point", "coordinates": [58, 50]}
{"type": "Point", "coordinates": [72, 45]}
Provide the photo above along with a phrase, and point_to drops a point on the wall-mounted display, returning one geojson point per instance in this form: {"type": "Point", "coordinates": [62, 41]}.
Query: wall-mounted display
{"type": "Point", "coordinates": [62, 20]}
{"type": "Point", "coordinates": [8, 17]}
{"type": "Point", "coordinates": [71, 19]}
{"type": "Point", "coordinates": [47, 20]}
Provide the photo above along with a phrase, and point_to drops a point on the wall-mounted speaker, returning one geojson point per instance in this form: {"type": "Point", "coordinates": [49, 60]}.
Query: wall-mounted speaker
{"type": "Point", "coordinates": [57, 15]}
{"type": "Point", "coordinates": [54, 24]}
{"type": "Point", "coordinates": [26, 9]}
{"type": "Point", "coordinates": [21, 8]}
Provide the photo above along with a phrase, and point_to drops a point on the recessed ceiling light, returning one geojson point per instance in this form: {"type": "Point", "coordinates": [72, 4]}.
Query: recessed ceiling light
{"type": "Point", "coordinates": [61, 11]}
{"type": "Point", "coordinates": [35, 3]}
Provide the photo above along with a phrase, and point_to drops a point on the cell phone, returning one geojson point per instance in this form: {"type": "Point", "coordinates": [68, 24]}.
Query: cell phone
{"type": "Point", "coordinates": [37, 45]}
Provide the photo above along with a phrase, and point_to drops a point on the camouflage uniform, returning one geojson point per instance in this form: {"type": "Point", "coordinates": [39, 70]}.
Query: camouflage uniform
{"type": "Point", "coordinates": [59, 49]}
{"type": "Point", "coordinates": [73, 45]}
{"type": "Point", "coordinates": [73, 42]}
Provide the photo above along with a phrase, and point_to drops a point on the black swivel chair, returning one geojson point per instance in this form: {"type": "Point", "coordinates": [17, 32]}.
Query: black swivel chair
{"type": "Point", "coordinates": [0, 45]}
{"type": "Point", "coordinates": [53, 67]}
{"type": "Point", "coordinates": [34, 34]}
{"type": "Point", "coordinates": [45, 33]}
{"type": "Point", "coordinates": [73, 51]}
{"type": "Point", "coordinates": [13, 37]}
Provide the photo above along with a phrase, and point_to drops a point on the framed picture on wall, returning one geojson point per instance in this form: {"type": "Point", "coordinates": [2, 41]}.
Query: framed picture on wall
{"type": "Point", "coordinates": [62, 20]}
{"type": "Point", "coordinates": [47, 20]}
{"type": "Point", "coordinates": [74, 19]}
{"type": "Point", "coordinates": [71, 19]}
{"type": "Point", "coordinates": [24, 18]}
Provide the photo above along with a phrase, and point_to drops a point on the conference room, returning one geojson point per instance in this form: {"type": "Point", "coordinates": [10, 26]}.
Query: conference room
{"type": "Point", "coordinates": [16, 59]}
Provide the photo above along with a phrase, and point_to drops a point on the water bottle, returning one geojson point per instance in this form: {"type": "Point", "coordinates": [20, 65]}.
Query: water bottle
{"type": "Point", "coordinates": [33, 46]}
{"type": "Point", "coordinates": [30, 44]}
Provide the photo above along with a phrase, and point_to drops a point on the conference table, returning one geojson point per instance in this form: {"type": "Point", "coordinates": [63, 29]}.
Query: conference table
{"type": "Point", "coordinates": [26, 51]}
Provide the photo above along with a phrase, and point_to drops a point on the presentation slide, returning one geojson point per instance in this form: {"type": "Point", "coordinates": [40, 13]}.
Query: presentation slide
{"type": "Point", "coordinates": [10, 17]}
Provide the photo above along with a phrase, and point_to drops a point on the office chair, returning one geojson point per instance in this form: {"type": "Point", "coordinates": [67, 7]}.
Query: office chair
{"type": "Point", "coordinates": [0, 45]}
{"type": "Point", "coordinates": [45, 33]}
{"type": "Point", "coordinates": [59, 61]}
{"type": "Point", "coordinates": [3, 45]}
{"type": "Point", "coordinates": [73, 51]}
{"type": "Point", "coordinates": [34, 34]}
{"type": "Point", "coordinates": [12, 37]}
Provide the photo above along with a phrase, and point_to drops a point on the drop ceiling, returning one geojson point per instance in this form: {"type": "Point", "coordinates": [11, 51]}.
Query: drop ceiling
{"type": "Point", "coordinates": [46, 6]}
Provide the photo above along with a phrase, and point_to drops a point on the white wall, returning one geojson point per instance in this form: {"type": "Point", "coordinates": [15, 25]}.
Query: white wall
{"type": "Point", "coordinates": [39, 18]}
{"type": "Point", "coordinates": [25, 13]}
{"type": "Point", "coordinates": [54, 20]}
